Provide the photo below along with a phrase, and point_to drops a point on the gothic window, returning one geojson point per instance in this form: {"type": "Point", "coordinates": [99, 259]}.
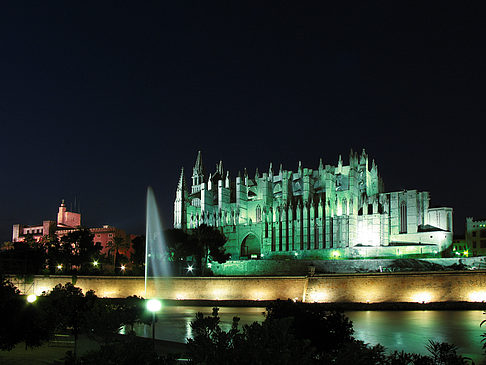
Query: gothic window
{"type": "Point", "coordinates": [370, 208]}
{"type": "Point", "coordinates": [258, 214]}
{"type": "Point", "coordinates": [449, 221]}
{"type": "Point", "coordinates": [403, 217]}
{"type": "Point", "coordinates": [345, 206]}
{"type": "Point", "coordinates": [273, 238]}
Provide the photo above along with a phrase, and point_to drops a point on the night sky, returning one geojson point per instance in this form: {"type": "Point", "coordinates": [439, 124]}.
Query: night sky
{"type": "Point", "coordinates": [99, 101]}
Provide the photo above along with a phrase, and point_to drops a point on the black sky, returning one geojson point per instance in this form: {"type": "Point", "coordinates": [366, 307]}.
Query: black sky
{"type": "Point", "coordinates": [99, 100]}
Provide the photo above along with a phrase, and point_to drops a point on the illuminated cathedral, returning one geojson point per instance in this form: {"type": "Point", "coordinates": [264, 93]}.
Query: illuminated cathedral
{"type": "Point", "coordinates": [328, 212]}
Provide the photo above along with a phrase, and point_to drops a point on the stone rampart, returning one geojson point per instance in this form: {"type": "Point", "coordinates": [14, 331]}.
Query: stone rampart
{"type": "Point", "coordinates": [438, 286]}
{"type": "Point", "coordinates": [299, 266]}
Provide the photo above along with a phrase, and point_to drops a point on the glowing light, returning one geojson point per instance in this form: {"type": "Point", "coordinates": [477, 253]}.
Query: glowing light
{"type": "Point", "coordinates": [477, 296]}
{"type": "Point", "coordinates": [466, 253]}
{"type": "Point", "coordinates": [296, 253]}
{"type": "Point", "coordinates": [95, 263]}
{"type": "Point", "coordinates": [59, 267]}
{"type": "Point", "coordinates": [31, 298]}
{"type": "Point", "coordinates": [319, 296]}
{"type": "Point", "coordinates": [154, 305]}
{"type": "Point", "coordinates": [335, 254]}
{"type": "Point", "coordinates": [422, 297]}
{"type": "Point", "coordinates": [258, 295]}
{"type": "Point", "coordinates": [218, 294]}
{"type": "Point", "coordinates": [123, 267]}
{"type": "Point", "coordinates": [190, 268]}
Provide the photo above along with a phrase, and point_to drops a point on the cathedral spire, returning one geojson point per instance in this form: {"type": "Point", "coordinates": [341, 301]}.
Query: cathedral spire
{"type": "Point", "coordinates": [182, 182]}
{"type": "Point", "coordinates": [219, 168]}
{"type": "Point", "coordinates": [198, 167]}
{"type": "Point", "coordinates": [321, 165]}
{"type": "Point", "coordinates": [197, 173]}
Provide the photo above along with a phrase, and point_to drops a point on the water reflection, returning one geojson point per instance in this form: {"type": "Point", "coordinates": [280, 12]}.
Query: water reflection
{"type": "Point", "coordinates": [410, 330]}
{"type": "Point", "coordinates": [174, 323]}
{"type": "Point", "coordinates": [396, 330]}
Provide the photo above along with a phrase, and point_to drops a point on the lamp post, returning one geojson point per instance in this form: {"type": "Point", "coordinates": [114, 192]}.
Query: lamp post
{"type": "Point", "coordinates": [153, 305]}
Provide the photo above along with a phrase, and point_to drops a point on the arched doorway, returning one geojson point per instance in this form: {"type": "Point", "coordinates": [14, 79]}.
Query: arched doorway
{"type": "Point", "coordinates": [250, 247]}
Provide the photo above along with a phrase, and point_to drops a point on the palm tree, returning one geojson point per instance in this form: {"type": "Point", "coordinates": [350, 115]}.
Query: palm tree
{"type": "Point", "coordinates": [114, 246]}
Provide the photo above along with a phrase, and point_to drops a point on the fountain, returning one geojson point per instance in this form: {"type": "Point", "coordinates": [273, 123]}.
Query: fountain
{"type": "Point", "coordinates": [156, 255]}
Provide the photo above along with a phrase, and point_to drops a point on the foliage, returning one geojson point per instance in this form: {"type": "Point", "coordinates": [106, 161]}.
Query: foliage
{"type": "Point", "coordinates": [326, 330]}
{"type": "Point", "coordinates": [114, 247]}
{"type": "Point", "coordinates": [269, 342]}
{"type": "Point", "coordinates": [126, 350]}
{"type": "Point", "coordinates": [444, 354]}
{"type": "Point", "coordinates": [67, 308]}
{"type": "Point", "coordinates": [10, 305]}
{"type": "Point", "coordinates": [138, 255]}
{"type": "Point", "coordinates": [204, 244]}
{"type": "Point", "coordinates": [54, 253]}
{"type": "Point", "coordinates": [23, 258]}
{"type": "Point", "coordinates": [78, 249]}
{"type": "Point", "coordinates": [106, 318]}
{"type": "Point", "coordinates": [21, 321]}
{"type": "Point", "coordinates": [283, 339]}
{"type": "Point", "coordinates": [178, 244]}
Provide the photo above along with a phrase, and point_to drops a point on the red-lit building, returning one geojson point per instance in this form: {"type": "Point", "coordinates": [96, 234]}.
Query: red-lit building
{"type": "Point", "coordinates": [68, 222]}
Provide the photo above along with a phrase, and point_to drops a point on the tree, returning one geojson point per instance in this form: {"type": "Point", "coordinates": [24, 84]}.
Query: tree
{"type": "Point", "coordinates": [206, 244]}
{"type": "Point", "coordinates": [114, 246]}
{"type": "Point", "coordinates": [21, 321]}
{"type": "Point", "coordinates": [54, 253]}
{"type": "Point", "coordinates": [78, 248]}
{"type": "Point", "coordinates": [178, 245]}
{"type": "Point", "coordinates": [10, 304]}
{"type": "Point", "coordinates": [326, 330]}
{"type": "Point", "coordinates": [26, 258]}
{"type": "Point", "coordinates": [138, 255]}
{"type": "Point", "coordinates": [269, 342]}
{"type": "Point", "coordinates": [68, 307]}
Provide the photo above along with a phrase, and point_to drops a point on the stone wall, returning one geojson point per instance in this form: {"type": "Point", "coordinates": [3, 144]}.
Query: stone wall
{"type": "Point", "coordinates": [301, 267]}
{"type": "Point", "coordinates": [375, 287]}
{"type": "Point", "coordinates": [235, 288]}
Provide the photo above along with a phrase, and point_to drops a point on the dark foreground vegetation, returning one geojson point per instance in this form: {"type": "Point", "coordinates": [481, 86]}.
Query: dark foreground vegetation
{"type": "Point", "coordinates": [292, 333]}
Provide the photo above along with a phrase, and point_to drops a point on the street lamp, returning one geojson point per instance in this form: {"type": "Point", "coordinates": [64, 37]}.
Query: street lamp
{"type": "Point", "coordinates": [154, 305]}
{"type": "Point", "coordinates": [31, 298]}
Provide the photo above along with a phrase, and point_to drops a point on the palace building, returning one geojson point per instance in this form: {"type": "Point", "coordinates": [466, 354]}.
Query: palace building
{"type": "Point", "coordinates": [328, 212]}
{"type": "Point", "coordinates": [67, 222]}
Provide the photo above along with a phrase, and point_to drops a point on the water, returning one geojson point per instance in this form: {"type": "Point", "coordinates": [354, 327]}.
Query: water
{"type": "Point", "coordinates": [396, 330]}
{"type": "Point", "coordinates": [156, 258]}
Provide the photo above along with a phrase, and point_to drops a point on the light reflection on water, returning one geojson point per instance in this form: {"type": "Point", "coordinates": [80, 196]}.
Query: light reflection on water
{"type": "Point", "coordinates": [411, 330]}
{"type": "Point", "coordinates": [396, 330]}
{"type": "Point", "coordinates": [174, 322]}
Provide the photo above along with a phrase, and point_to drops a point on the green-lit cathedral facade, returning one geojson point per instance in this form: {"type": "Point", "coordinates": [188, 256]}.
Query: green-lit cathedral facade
{"type": "Point", "coordinates": [329, 212]}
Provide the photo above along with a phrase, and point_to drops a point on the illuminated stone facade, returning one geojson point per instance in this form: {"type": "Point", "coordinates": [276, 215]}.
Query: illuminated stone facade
{"type": "Point", "coordinates": [68, 222]}
{"type": "Point", "coordinates": [476, 236]}
{"type": "Point", "coordinates": [329, 212]}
